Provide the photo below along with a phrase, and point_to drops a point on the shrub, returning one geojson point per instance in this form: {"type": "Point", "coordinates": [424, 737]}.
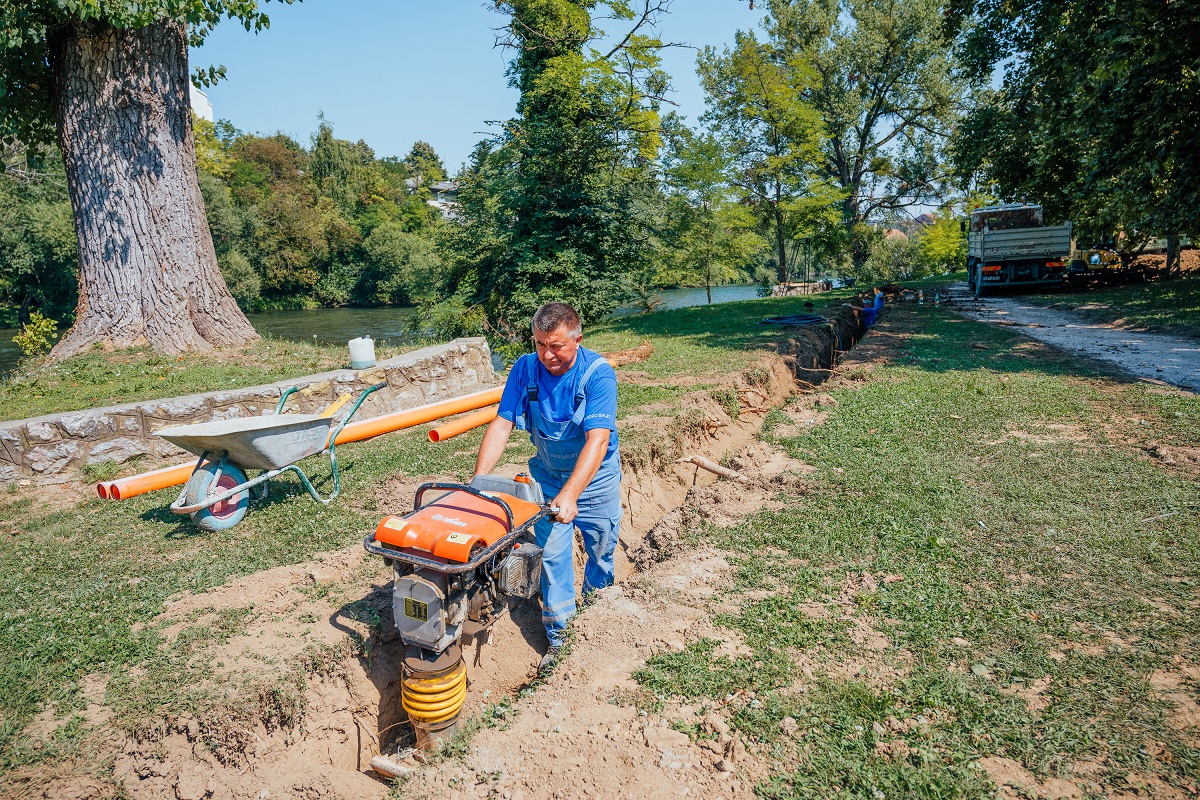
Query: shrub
{"type": "Point", "coordinates": [36, 335]}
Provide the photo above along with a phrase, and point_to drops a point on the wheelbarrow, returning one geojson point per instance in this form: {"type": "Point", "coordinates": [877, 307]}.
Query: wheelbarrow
{"type": "Point", "coordinates": [217, 495]}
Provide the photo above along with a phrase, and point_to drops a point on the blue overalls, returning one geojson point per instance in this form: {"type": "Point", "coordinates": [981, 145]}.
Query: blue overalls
{"type": "Point", "coordinates": [558, 447]}
{"type": "Point", "coordinates": [871, 313]}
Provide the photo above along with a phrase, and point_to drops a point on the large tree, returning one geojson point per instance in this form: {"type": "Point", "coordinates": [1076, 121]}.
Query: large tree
{"type": "Point", "coordinates": [1096, 116]}
{"type": "Point", "coordinates": [552, 207]}
{"type": "Point", "coordinates": [882, 77]}
{"type": "Point", "coordinates": [108, 80]}
{"type": "Point", "coordinates": [710, 236]}
{"type": "Point", "coordinates": [773, 138]}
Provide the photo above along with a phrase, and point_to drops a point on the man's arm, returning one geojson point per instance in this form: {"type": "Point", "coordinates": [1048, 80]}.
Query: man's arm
{"type": "Point", "coordinates": [494, 442]}
{"type": "Point", "coordinates": [594, 447]}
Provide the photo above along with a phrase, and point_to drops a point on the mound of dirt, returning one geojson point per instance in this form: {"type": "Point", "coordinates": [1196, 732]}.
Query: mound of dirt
{"type": "Point", "coordinates": [579, 732]}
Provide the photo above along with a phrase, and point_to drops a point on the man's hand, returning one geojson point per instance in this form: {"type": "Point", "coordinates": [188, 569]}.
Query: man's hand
{"type": "Point", "coordinates": [566, 505]}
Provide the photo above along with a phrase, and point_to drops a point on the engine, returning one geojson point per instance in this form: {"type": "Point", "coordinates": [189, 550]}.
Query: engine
{"type": "Point", "coordinates": [456, 559]}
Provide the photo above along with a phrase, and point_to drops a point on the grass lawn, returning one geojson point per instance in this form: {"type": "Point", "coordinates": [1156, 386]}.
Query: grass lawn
{"type": "Point", "coordinates": [1164, 306]}
{"type": "Point", "coordinates": [692, 340]}
{"type": "Point", "coordinates": [103, 379]}
{"type": "Point", "coordinates": [82, 583]}
{"type": "Point", "coordinates": [1031, 581]}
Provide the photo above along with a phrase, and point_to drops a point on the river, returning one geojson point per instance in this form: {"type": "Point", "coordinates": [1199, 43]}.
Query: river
{"type": "Point", "coordinates": [339, 325]}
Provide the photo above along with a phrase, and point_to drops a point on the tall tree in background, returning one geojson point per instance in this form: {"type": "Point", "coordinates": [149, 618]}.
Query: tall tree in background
{"type": "Point", "coordinates": [424, 163]}
{"type": "Point", "coordinates": [881, 75]}
{"type": "Point", "coordinates": [552, 209]}
{"type": "Point", "coordinates": [1096, 117]}
{"type": "Point", "coordinates": [773, 137]}
{"type": "Point", "coordinates": [109, 80]}
{"type": "Point", "coordinates": [711, 237]}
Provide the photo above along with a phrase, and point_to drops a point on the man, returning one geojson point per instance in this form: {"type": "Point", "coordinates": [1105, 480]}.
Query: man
{"type": "Point", "coordinates": [565, 396]}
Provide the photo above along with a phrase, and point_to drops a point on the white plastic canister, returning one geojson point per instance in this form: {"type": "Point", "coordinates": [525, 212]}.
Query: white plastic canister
{"type": "Point", "coordinates": [362, 353]}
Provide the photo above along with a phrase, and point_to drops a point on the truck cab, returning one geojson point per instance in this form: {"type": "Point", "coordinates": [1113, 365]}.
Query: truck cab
{"type": "Point", "coordinates": [1009, 245]}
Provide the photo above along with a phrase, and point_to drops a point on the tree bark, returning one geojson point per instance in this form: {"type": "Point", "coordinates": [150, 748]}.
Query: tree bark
{"type": "Point", "coordinates": [1173, 259]}
{"type": "Point", "coordinates": [148, 273]}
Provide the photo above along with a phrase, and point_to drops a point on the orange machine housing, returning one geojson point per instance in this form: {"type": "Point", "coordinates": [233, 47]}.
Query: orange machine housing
{"type": "Point", "coordinates": [454, 524]}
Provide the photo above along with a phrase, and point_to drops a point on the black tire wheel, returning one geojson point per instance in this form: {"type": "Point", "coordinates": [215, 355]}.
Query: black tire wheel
{"type": "Point", "coordinates": [978, 289]}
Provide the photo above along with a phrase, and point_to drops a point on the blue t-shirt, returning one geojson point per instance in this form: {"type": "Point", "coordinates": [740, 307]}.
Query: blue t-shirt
{"type": "Point", "coordinates": [556, 395]}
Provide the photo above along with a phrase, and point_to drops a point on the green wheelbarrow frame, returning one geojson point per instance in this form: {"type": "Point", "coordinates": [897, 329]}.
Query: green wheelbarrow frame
{"type": "Point", "coordinates": [235, 446]}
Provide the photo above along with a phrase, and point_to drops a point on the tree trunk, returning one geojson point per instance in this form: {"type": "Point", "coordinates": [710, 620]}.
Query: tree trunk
{"type": "Point", "coordinates": [781, 246]}
{"type": "Point", "coordinates": [708, 276]}
{"type": "Point", "coordinates": [1173, 260]}
{"type": "Point", "coordinates": [148, 273]}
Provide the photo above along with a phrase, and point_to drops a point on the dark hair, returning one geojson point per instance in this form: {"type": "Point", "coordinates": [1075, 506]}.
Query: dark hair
{"type": "Point", "coordinates": [552, 316]}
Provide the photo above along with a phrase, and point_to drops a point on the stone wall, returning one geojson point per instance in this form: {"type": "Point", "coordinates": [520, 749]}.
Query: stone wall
{"type": "Point", "coordinates": [47, 449]}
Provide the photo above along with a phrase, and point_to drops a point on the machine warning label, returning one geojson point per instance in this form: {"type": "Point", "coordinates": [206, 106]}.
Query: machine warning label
{"type": "Point", "coordinates": [415, 609]}
{"type": "Point", "coordinates": [458, 538]}
{"type": "Point", "coordinates": [395, 523]}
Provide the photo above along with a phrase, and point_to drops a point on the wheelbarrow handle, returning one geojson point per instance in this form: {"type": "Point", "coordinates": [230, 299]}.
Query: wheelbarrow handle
{"type": "Point", "coordinates": [288, 392]}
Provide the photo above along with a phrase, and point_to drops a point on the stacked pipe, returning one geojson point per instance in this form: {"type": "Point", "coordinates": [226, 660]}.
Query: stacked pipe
{"type": "Point", "coordinates": [124, 488]}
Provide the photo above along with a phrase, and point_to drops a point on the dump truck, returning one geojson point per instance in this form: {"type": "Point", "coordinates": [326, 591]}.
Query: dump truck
{"type": "Point", "coordinates": [1008, 245]}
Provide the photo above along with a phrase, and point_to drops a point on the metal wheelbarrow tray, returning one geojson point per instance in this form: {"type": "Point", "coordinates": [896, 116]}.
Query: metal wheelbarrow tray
{"type": "Point", "coordinates": [255, 442]}
{"type": "Point", "coordinates": [217, 495]}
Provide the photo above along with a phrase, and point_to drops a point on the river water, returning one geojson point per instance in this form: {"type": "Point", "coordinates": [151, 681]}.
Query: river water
{"type": "Point", "coordinates": [339, 325]}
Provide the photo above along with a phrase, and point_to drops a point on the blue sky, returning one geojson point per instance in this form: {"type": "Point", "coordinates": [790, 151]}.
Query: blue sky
{"type": "Point", "coordinates": [391, 72]}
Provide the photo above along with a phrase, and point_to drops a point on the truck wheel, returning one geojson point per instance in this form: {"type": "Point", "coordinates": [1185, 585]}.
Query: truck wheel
{"type": "Point", "coordinates": [978, 288]}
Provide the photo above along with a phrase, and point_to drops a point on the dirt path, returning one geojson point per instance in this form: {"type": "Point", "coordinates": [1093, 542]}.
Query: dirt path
{"type": "Point", "coordinates": [1144, 355]}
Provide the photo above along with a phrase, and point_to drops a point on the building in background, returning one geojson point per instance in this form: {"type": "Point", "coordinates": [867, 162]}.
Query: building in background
{"type": "Point", "coordinates": [200, 105]}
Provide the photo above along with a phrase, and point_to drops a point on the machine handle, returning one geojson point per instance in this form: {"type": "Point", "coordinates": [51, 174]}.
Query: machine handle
{"type": "Point", "coordinates": [462, 487]}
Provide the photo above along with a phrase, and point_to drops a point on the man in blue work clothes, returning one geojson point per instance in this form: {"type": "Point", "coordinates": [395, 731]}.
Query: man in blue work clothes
{"type": "Point", "coordinates": [565, 396]}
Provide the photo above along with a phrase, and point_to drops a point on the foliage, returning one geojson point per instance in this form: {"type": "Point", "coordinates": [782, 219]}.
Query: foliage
{"type": "Point", "coordinates": [933, 249]}
{"type": "Point", "coordinates": [301, 219]}
{"type": "Point", "coordinates": [943, 244]}
{"type": "Point", "coordinates": [558, 206]}
{"type": "Point", "coordinates": [1095, 116]}
{"type": "Point", "coordinates": [423, 163]}
{"type": "Point", "coordinates": [36, 335]}
{"type": "Point", "coordinates": [881, 76]}
{"type": "Point", "coordinates": [39, 254]}
{"type": "Point", "coordinates": [711, 239]}
{"type": "Point", "coordinates": [774, 142]}
{"type": "Point", "coordinates": [31, 27]}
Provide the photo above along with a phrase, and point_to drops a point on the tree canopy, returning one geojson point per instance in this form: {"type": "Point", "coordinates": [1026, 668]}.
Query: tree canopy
{"type": "Point", "coordinates": [1096, 115]}
{"type": "Point", "coordinates": [28, 31]}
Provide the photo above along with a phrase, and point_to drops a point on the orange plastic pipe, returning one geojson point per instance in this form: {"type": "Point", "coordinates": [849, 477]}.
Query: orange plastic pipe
{"type": "Point", "coordinates": [354, 432]}
{"type": "Point", "coordinates": [467, 423]}
{"type": "Point", "coordinates": [124, 488]}
{"type": "Point", "coordinates": [377, 426]}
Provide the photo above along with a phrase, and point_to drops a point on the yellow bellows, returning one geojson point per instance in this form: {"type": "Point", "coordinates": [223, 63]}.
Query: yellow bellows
{"type": "Point", "coordinates": [435, 698]}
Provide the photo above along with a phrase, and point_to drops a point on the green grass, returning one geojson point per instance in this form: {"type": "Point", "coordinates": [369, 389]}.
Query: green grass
{"type": "Point", "coordinates": [1017, 545]}
{"type": "Point", "coordinates": [705, 340]}
{"type": "Point", "coordinates": [1165, 306]}
{"type": "Point", "coordinates": [102, 379]}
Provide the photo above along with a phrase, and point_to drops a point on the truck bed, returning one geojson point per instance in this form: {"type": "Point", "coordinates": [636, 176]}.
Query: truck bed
{"type": "Point", "coordinates": [1021, 244]}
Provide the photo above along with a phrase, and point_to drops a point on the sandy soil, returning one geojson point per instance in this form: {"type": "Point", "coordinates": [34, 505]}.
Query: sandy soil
{"type": "Point", "coordinates": [1145, 355]}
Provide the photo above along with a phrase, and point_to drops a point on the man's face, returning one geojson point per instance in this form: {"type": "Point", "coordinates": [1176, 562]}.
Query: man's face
{"type": "Point", "coordinates": [556, 349]}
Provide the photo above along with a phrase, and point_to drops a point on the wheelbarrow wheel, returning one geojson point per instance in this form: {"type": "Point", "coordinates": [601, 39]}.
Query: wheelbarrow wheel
{"type": "Point", "coordinates": [225, 514]}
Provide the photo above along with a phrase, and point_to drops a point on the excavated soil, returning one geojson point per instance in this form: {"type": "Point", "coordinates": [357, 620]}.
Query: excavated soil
{"type": "Point", "coordinates": [318, 648]}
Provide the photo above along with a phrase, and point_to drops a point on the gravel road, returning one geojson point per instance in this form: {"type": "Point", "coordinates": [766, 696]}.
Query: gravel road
{"type": "Point", "coordinates": [1144, 355]}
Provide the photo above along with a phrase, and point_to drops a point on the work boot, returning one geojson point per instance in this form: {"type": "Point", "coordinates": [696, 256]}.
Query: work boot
{"type": "Point", "coordinates": [549, 660]}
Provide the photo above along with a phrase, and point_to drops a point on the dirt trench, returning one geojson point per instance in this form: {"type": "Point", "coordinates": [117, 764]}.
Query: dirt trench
{"type": "Point", "coordinates": [314, 693]}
